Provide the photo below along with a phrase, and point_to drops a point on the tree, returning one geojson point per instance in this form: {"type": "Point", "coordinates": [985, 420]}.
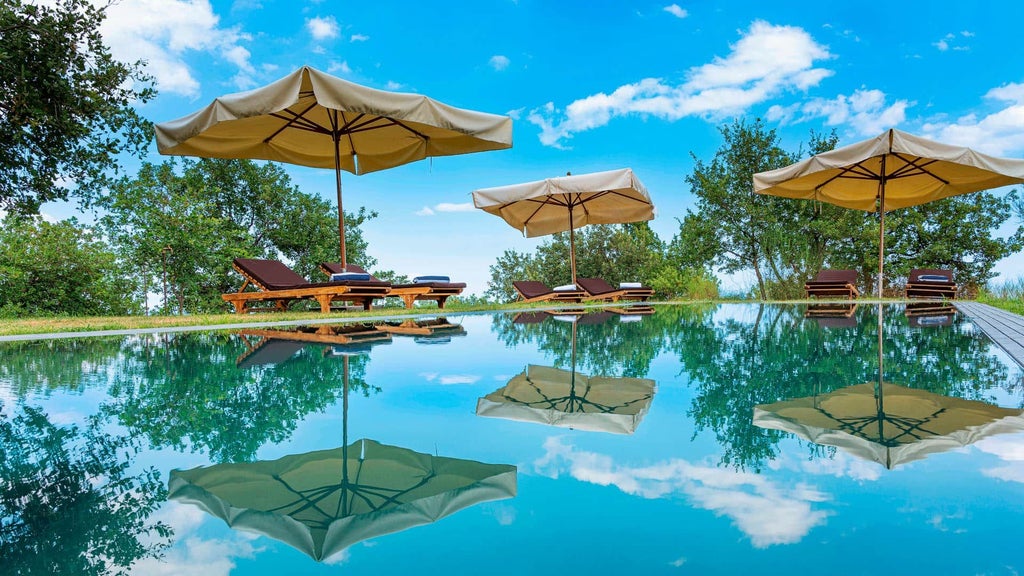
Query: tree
{"type": "Point", "coordinates": [192, 222]}
{"type": "Point", "coordinates": [615, 252]}
{"type": "Point", "coordinates": [61, 268]}
{"type": "Point", "coordinates": [71, 500]}
{"type": "Point", "coordinates": [66, 106]}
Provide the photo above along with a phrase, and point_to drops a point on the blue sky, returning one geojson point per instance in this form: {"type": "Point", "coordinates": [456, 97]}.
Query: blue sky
{"type": "Point", "coordinates": [591, 86]}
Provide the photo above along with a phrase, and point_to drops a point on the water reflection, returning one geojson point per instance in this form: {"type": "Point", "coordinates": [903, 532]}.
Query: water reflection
{"type": "Point", "coordinates": [324, 501]}
{"type": "Point", "coordinates": [70, 500]}
{"type": "Point", "coordinates": [557, 397]}
{"type": "Point", "coordinates": [888, 423]}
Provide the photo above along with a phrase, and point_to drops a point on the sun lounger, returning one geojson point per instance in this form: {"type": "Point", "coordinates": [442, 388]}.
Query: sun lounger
{"type": "Point", "coordinates": [533, 291]}
{"type": "Point", "coordinates": [437, 291]}
{"type": "Point", "coordinates": [598, 289]}
{"type": "Point", "coordinates": [835, 315]}
{"type": "Point", "coordinates": [931, 283]}
{"type": "Point", "coordinates": [277, 283]}
{"type": "Point", "coordinates": [278, 345]}
{"type": "Point", "coordinates": [929, 314]}
{"type": "Point", "coordinates": [833, 283]}
{"type": "Point", "coordinates": [413, 327]}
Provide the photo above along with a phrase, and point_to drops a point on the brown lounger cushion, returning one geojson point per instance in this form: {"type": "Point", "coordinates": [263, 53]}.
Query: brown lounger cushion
{"type": "Point", "coordinates": [274, 275]}
{"type": "Point", "coordinates": [531, 288]}
{"type": "Point", "coordinates": [598, 286]}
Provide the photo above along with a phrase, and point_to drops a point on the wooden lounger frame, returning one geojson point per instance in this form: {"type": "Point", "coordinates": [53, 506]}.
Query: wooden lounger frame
{"type": "Point", "coordinates": [641, 294]}
{"type": "Point", "coordinates": [328, 335]}
{"type": "Point", "coordinates": [833, 283]}
{"type": "Point", "coordinates": [324, 295]}
{"type": "Point", "coordinates": [943, 290]}
{"type": "Point", "coordinates": [439, 292]}
{"type": "Point", "coordinates": [550, 296]}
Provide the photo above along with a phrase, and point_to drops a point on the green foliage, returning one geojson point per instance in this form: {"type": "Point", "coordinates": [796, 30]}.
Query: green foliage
{"type": "Point", "coordinates": [70, 501]}
{"type": "Point", "coordinates": [61, 268]}
{"type": "Point", "coordinates": [39, 367]}
{"type": "Point", "coordinates": [670, 282]}
{"type": "Point", "coordinates": [1008, 295]}
{"type": "Point", "coordinates": [193, 222]}
{"type": "Point", "coordinates": [615, 252]}
{"type": "Point", "coordinates": [66, 106]}
{"type": "Point", "coordinates": [193, 391]}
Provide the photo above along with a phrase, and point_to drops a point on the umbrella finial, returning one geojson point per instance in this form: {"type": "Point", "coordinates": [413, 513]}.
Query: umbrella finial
{"type": "Point", "coordinates": [568, 173]}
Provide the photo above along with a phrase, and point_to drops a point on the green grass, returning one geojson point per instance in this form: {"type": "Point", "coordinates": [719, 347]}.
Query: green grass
{"type": "Point", "coordinates": [1009, 295]}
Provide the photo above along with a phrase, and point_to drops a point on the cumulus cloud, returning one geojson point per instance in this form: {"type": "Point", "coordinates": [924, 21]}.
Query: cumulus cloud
{"type": "Point", "coordinates": [446, 207]}
{"type": "Point", "coordinates": [766, 61]}
{"type": "Point", "coordinates": [765, 512]}
{"type": "Point", "coordinates": [335, 67]}
{"type": "Point", "coordinates": [498, 62]}
{"type": "Point", "coordinates": [323, 28]}
{"type": "Point", "coordinates": [953, 41]}
{"type": "Point", "coordinates": [676, 11]}
{"type": "Point", "coordinates": [1000, 132]}
{"type": "Point", "coordinates": [865, 111]}
{"type": "Point", "coordinates": [163, 32]}
{"type": "Point", "coordinates": [359, 38]}
{"type": "Point", "coordinates": [190, 553]}
{"type": "Point", "coordinates": [1009, 449]}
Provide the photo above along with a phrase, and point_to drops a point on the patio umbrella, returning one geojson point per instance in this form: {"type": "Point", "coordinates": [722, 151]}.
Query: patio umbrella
{"type": "Point", "coordinates": [324, 501]}
{"type": "Point", "coordinates": [310, 118]}
{"type": "Point", "coordinates": [567, 399]}
{"type": "Point", "coordinates": [888, 423]}
{"type": "Point", "coordinates": [568, 202]}
{"type": "Point", "coordinates": [893, 170]}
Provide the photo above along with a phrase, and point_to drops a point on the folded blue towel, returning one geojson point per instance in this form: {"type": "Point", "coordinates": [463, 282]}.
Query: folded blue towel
{"type": "Point", "coordinates": [347, 276]}
{"type": "Point", "coordinates": [426, 279]}
{"type": "Point", "coordinates": [933, 278]}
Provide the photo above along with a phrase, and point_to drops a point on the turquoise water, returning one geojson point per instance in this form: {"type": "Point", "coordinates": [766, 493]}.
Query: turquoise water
{"type": "Point", "coordinates": [444, 448]}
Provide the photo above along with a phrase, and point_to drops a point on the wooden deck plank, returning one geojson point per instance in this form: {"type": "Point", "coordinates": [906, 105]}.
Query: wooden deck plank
{"type": "Point", "coordinates": [1006, 329]}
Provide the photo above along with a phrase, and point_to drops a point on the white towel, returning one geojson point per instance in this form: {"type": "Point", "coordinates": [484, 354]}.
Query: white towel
{"type": "Point", "coordinates": [565, 288]}
{"type": "Point", "coordinates": [630, 285]}
{"type": "Point", "coordinates": [630, 318]}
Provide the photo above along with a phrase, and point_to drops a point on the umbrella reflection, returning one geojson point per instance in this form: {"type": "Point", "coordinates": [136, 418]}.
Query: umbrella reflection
{"type": "Point", "coordinates": [565, 398]}
{"type": "Point", "coordinates": [324, 501]}
{"type": "Point", "coordinates": [888, 423]}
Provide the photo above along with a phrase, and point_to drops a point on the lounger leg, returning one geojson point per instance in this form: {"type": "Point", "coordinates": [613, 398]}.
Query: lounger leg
{"type": "Point", "coordinates": [281, 305]}
{"type": "Point", "coordinates": [239, 307]}
{"type": "Point", "coordinates": [441, 300]}
{"type": "Point", "coordinates": [325, 303]}
{"type": "Point", "coordinates": [409, 300]}
{"type": "Point", "coordinates": [367, 303]}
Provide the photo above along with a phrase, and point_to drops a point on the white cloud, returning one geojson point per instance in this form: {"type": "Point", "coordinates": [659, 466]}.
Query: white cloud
{"type": "Point", "coordinates": [767, 513]}
{"type": "Point", "coordinates": [676, 11]}
{"type": "Point", "coordinates": [865, 111]}
{"type": "Point", "coordinates": [335, 67]}
{"type": "Point", "coordinates": [190, 553]}
{"type": "Point", "coordinates": [359, 38]}
{"type": "Point", "coordinates": [446, 207]}
{"type": "Point", "coordinates": [766, 61]}
{"type": "Point", "coordinates": [678, 562]}
{"type": "Point", "coordinates": [450, 379]}
{"type": "Point", "coordinates": [953, 42]}
{"type": "Point", "coordinates": [162, 32]}
{"type": "Point", "coordinates": [1000, 132]}
{"type": "Point", "coordinates": [498, 62]}
{"type": "Point", "coordinates": [323, 28]}
{"type": "Point", "coordinates": [967, 34]}
{"type": "Point", "coordinates": [942, 45]}
{"type": "Point", "coordinates": [392, 85]}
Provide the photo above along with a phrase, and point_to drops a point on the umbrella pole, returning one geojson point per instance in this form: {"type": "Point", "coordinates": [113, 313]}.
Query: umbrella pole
{"type": "Point", "coordinates": [341, 213]}
{"type": "Point", "coordinates": [572, 246]}
{"type": "Point", "coordinates": [881, 228]}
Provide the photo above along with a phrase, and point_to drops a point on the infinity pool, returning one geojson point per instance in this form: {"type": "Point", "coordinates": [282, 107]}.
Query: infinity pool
{"type": "Point", "coordinates": [678, 440]}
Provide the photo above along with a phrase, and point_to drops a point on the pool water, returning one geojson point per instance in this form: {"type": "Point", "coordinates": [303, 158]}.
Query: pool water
{"type": "Point", "coordinates": [677, 440]}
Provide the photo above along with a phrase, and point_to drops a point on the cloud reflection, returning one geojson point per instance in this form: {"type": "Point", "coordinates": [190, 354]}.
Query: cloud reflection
{"type": "Point", "coordinates": [767, 513]}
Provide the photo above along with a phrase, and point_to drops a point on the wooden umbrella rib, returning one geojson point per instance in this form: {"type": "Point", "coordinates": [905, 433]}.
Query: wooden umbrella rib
{"type": "Point", "coordinates": [298, 120]}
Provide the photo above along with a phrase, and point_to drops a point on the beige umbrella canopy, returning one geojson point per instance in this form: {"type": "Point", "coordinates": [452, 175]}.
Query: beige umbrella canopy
{"type": "Point", "coordinates": [569, 202]}
{"type": "Point", "coordinates": [892, 170]}
{"type": "Point", "coordinates": [887, 423]}
{"type": "Point", "coordinates": [310, 118]}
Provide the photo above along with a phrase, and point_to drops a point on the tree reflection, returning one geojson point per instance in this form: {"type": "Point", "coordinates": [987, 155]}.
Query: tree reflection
{"type": "Point", "coordinates": [42, 366]}
{"type": "Point", "coordinates": [69, 501]}
{"type": "Point", "coordinates": [186, 392]}
{"type": "Point", "coordinates": [737, 364]}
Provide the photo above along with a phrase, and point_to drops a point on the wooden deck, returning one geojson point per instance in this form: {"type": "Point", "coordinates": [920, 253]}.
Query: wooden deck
{"type": "Point", "coordinates": [1004, 328]}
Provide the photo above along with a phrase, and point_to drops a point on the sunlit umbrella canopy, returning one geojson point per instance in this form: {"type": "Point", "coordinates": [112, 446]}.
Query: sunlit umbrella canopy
{"type": "Point", "coordinates": [310, 118]}
{"type": "Point", "coordinates": [892, 170]}
{"type": "Point", "coordinates": [324, 501]}
{"type": "Point", "coordinates": [563, 204]}
{"type": "Point", "coordinates": [568, 399]}
{"type": "Point", "coordinates": [888, 424]}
